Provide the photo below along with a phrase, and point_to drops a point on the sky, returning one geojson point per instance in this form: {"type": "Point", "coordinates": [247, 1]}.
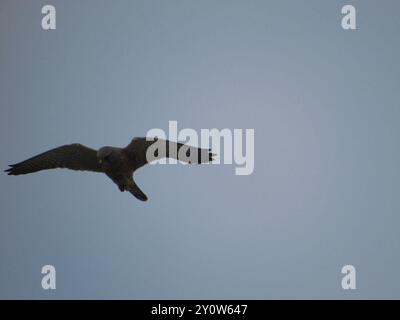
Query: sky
{"type": "Point", "coordinates": [324, 106]}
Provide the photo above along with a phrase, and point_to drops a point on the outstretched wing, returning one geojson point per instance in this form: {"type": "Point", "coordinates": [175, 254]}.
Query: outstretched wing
{"type": "Point", "coordinates": [144, 150]}
{"type": "Point", "coordinates": [73, 156]}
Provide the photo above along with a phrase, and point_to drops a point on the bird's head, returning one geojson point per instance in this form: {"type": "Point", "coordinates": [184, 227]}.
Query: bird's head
{"type": "Point", "coordinates": [104, 153]}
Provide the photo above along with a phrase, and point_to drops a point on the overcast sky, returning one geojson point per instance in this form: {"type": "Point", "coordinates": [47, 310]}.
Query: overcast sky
{"type": "Point", "coordinates": [324, 104]}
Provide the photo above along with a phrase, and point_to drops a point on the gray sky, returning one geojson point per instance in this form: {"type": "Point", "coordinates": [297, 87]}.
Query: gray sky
{"type": "Point", "coordinates": [324, 104]}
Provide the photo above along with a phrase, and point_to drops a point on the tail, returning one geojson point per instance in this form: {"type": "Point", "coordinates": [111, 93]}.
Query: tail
{"type": "Point", "coordinates": [135, 191]}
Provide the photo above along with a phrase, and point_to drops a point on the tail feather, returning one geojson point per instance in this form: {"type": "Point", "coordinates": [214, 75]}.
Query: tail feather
{"type": "Point", "coordinates": [135, 191]}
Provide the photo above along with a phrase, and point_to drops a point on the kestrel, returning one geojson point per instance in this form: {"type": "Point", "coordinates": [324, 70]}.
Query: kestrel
{"type": "Point", "coordinates": [118, 164]}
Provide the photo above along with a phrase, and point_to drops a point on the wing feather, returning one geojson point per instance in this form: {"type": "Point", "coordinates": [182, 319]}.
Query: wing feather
{"type": "Point", "coordinates": [73, 156]}
{"type": "Point", "coordinates": [144, 150]}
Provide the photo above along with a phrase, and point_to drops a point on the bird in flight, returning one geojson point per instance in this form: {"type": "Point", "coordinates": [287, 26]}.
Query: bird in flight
{"type": "Point", "coordinates": [118, 164]}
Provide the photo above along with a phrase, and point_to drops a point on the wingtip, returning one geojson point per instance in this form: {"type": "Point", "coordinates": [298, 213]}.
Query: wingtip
{"type": "Point", "coordinates": [10, 171]}
{"type": "Point", "coordinates": [212, 156]}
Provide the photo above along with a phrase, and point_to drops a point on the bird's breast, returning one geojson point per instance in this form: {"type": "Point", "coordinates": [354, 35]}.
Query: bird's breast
{"type": "Point", "coordinates": [118, 162]}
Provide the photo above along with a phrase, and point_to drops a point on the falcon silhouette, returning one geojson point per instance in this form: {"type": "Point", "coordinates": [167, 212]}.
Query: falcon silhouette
{"type": "Point", "coordinates": [118, 164]}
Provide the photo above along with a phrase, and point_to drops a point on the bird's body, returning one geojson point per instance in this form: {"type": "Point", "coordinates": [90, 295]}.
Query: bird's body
{"type": "Point", "coordinates": [118, 164]}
